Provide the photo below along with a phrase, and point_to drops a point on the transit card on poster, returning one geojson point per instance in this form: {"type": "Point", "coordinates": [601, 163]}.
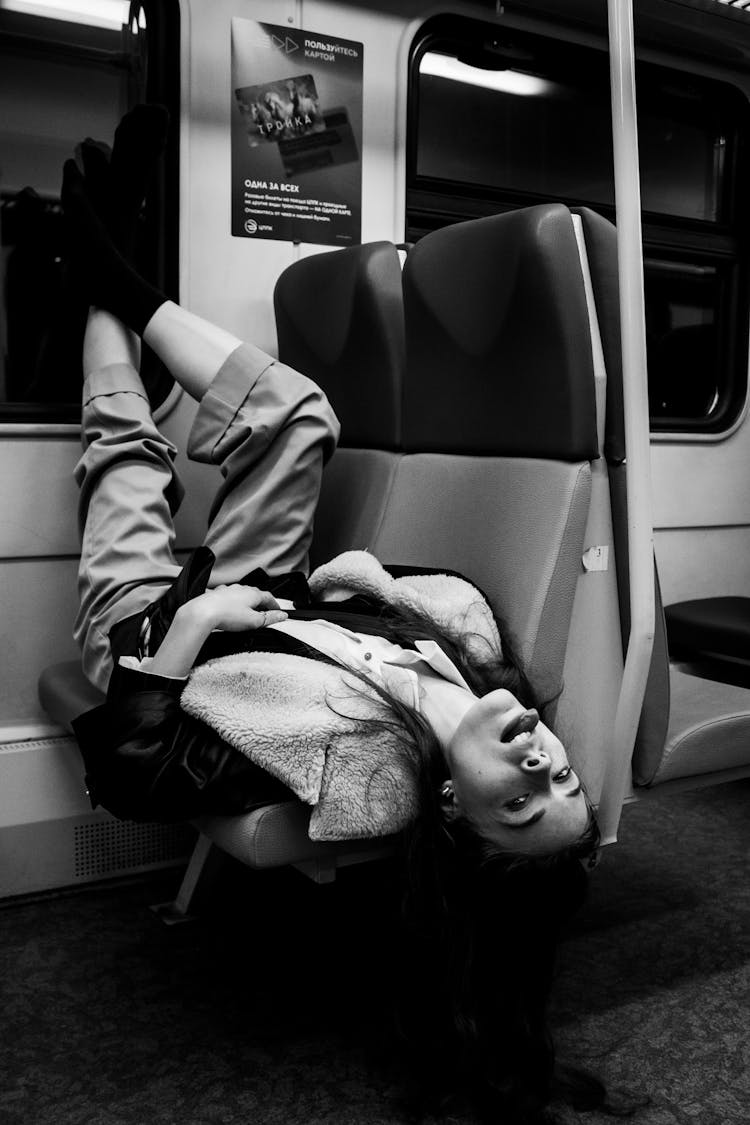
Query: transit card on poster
{"type": "Point", "coordinates": [296, 135]}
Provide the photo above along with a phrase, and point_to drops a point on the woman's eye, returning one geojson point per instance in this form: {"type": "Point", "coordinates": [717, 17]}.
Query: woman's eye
{"type": "Point", "coordinates": [563, 774]}
{"type": "Point", "coordinates": [517, 803]}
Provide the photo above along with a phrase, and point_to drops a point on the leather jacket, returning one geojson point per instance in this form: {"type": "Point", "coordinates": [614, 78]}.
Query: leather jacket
{"type": "Point", "coordinates": [145, 758]}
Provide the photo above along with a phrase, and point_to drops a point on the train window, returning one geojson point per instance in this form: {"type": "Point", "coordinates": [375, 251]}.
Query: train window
{"type": "Point", "coordinates": [508, 130]}
{"type": "Point", "coordinates": [504, 119]}
{"type": "Point", "coordinates": [682, 313]}
{"type": "Point", "coordinates": [70, 69]}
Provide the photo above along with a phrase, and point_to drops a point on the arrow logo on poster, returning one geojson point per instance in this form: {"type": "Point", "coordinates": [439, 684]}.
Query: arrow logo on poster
{"type": "Point", "coordinates": [287, 44]}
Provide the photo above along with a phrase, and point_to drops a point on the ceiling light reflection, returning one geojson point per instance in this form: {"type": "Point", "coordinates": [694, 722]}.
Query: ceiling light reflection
{"type": "Point", "coordinates": [504, 81]}
{"type": "Point", "coordinates": [111, 14]}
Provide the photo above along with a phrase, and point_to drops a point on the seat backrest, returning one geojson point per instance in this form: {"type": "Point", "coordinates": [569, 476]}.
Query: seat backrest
{"type": "Point", "coordinates": [483, 463]}
{"type": "Point", "coordinates": [340, 321]}
{"type": "Point", "coordinates": [499, 422]}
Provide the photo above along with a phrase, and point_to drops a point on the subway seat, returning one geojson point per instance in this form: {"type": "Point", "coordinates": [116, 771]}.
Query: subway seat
{"type": "Point", "coordinates": [710, 632]}
{"type": "Point", "coordinates": [469, 426]}
{"type": "Point", "coordinates": [442, 462]}
{"type": "Point", "coordinates": [693, 730]}
{"type": "Point", "coordinates": [716, 630]}
{"type": "Point", "coordinates": [340, 321]}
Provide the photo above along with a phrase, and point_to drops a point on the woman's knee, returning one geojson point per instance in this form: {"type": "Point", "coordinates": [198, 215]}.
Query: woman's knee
{"type": "Point", "coordinates": [322, 417]}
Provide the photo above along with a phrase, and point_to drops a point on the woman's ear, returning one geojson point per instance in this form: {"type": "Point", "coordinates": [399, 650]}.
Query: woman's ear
{"type": "Point", "coordinates": [448, 800]}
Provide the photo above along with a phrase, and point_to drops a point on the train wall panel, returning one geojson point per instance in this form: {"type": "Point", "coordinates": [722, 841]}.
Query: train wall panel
{"type": "Point", "coordinates": [67, 852]}
{"type": "Point", "coordinates": [702, 483]}
{"type": "Point", "coordinates": [37, 607]}
{"type": "Point", "coordinates": [49, 835]}
{"type": "Point", "coordinates": [38, 512]}
{"type": "Point", "coordinates": [228, 280]}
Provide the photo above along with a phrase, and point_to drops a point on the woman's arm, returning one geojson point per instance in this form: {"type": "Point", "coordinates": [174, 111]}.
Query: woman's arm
{"type": "Point", "coordinates": [233, 608]}
{"type": "Point", "coordinates": [148, 760]}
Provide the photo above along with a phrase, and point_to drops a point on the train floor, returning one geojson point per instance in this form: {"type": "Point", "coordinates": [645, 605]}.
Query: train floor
{"type": "Point", "coordinates": [267, 1009]}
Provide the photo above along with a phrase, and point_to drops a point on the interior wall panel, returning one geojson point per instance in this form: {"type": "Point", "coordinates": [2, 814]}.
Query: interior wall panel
{"type": "Point", "coordinates": [702, 483]}
{"type": "Point", "coordinates": [39, 512]}
{"type": "Point", "coordinates": [39, 602]}
{"type": "Point", "coordinates": [228, 280]}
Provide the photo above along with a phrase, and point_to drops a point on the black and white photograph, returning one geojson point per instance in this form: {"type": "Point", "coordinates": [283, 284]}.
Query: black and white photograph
{"type": "Point", "coordinates": [374, 562]}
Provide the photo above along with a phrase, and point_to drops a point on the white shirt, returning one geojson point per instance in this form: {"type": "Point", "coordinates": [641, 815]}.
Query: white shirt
{"type": "Point", "coordinates": [423, 678]}
{"type": "Point", "coordinates": [394, 666]}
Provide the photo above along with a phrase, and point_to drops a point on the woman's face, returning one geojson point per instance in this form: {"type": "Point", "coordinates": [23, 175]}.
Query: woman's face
{"type": "Point", "coordinates": [511, 779]}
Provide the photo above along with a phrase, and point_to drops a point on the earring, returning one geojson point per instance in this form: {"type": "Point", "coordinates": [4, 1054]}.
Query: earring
{"type": "Point", "coordinates": [446, 791]}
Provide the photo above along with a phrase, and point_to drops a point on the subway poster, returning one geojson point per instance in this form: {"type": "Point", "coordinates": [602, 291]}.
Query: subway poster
{"type": "Point", "coordinates": [296, 113]}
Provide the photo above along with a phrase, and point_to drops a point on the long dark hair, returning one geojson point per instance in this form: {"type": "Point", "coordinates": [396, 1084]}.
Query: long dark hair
{"type": "Point", "coordinates": [480, 926]}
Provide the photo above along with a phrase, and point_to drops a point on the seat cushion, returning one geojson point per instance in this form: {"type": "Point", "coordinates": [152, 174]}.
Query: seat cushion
{"type": "Point", "coordinates": [709, 729]}
{"type": "Point", "coordinates": [277, 834]}
{"type": "Point", "coordinates": [353, 500]}
{"type": "Point", "coordinates": [710, 627]}
{"type": "Point", "coordinates": [272, 836]}
{"type": "Point", "coordinates": [474, 515]}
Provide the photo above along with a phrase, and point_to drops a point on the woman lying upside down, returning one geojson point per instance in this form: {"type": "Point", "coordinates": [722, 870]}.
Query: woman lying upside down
{"type": "Point", "coordinates": [384, 698]}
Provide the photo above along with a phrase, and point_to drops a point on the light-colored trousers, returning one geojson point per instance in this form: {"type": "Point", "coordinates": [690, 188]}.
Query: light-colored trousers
{"type": "Point", "coordinates": [270, 431]}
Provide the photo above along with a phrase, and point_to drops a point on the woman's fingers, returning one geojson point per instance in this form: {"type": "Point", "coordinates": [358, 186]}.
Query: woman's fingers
{"type": "Point", "coordinates": [265, 600]}
{"type": "Point", "coordinates": [258, 599]}
{"type": "Point", "coordinates": [242, 607]}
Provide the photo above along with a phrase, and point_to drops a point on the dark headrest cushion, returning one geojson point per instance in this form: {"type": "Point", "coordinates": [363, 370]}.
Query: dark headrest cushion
{"type": "Point", "coordinates": [600, 237]}
{"type": "Point", "coordinates": [340, 321]}
{"type": "Point", "coordinates": [719, 626]}
{"type": "Point", "coordinates": [497, 337]}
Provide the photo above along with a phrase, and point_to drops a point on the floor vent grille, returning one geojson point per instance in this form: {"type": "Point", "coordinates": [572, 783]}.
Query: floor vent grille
{"type": "Point", "coordinates": [106, 847]}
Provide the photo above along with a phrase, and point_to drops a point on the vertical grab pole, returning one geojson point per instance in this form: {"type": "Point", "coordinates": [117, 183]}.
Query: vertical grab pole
{"type": "Point", "coordinates": [635, 405]}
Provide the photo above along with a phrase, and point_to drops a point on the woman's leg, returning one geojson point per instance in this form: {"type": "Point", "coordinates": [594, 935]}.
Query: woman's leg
{"type": "Point", "coordinates": [268, 429]}
{"type": "Point", "coordinates": [192, 348]}
{"type": "Point", "coordinates": [129, 493]}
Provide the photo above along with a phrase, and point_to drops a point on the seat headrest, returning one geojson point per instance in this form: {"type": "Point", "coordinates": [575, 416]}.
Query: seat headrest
{"type": "Point", "coordinates": [340, 321]}
{"type": "Point", "coordinates": [497, 339]}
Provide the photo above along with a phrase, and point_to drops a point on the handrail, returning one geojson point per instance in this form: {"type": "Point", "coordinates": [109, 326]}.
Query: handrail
{"type": "Point", "coordinates": [635, 406]}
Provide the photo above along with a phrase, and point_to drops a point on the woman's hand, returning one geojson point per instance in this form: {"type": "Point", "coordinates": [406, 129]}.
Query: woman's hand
{"type": "Point", "coordinates": [225, 607]}
{"type": "Point", "coordinates": [237, 607]}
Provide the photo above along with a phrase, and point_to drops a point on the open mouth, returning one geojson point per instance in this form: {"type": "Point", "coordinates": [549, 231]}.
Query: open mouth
{"type": "Point", "coordinates": [522, 724]}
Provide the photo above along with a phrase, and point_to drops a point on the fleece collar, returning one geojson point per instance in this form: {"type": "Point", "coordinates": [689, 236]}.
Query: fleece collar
{"type": "Point", "coordinates": [318, 728]}
{"type": "Point", "coordinates": [453, 604]}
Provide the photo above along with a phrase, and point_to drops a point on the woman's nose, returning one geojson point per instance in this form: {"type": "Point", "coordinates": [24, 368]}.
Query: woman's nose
{"type": "Point", "coordinates": [536, 761]}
